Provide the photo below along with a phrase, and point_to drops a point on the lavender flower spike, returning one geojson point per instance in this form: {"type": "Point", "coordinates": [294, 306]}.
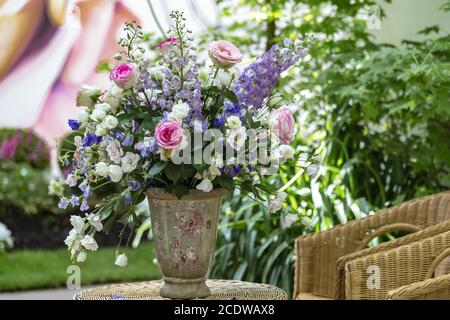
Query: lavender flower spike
{"type": "Point", "coordinates": [257, 80]}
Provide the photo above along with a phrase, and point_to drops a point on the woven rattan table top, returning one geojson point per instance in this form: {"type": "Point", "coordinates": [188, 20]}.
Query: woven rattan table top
{"type": "Point", "coordinates": [149, 290]}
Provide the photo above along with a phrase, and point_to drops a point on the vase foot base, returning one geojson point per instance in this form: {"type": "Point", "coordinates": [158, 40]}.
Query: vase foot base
{"type": "Point", "coordinates": [181, 290]}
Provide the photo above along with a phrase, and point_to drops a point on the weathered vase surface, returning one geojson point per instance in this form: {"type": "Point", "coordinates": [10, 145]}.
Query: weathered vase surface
{"type": "Point", "coordinates": [184, 233]}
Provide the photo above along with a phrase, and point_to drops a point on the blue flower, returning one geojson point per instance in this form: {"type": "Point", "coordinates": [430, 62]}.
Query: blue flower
{"type": "Point", "coordinates": [91, 139]}
{"type": "Point", "coordinates": [128, 199]}
{"type": "Point", "coordinates": [219, 122]}
{"type": "Point", "coordinates": [128, 141]}
{"type": "Point", "coordinates": [63, 203]}
{"type": "Point", "coordinates": [75, 201]}
{"type": "Point", "coordinates": [84, 205]}
{"type": "Point", "coordinates": [231, 108]}
{"type": "Point", "coordinates": [73, 124]}
{"type": "Point", "coordinates": [135, 185]}
{"type": "Point", "coordinates": [148, 181]}
{"type": "Point", "coordinates": [134, 126]}
{"type": "Point", "coordinates": [118, 135]}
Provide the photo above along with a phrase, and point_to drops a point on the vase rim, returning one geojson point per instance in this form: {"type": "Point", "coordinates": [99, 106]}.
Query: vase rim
{"type": "Point", "coordinates": [194, 194]}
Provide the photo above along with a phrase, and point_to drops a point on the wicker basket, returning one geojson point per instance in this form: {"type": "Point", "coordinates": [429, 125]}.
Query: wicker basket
{"type": "Point", "coordinates": [395, 268]}
{"type": "Point", "coordinates": [428, 232]}
{"type": "Point", "coordinates": [317, 254]}
{"type": "Point", "coordinates": [431, 289]}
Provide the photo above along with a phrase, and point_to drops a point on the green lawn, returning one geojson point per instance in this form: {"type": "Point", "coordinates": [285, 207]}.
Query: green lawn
{"type": "Point", "coordinates": [32, 269]}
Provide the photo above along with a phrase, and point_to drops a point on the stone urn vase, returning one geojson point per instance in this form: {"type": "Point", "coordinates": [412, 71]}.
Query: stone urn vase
{"type": "Point", "coordinates": [185, 234]}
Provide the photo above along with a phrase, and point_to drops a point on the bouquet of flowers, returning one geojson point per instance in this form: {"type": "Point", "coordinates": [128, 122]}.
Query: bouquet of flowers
{"type": "Point", "coordinates": [167, 123]}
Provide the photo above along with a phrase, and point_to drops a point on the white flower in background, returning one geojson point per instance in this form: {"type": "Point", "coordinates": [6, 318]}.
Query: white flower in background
{"type": "Point", "coordinates": [306, 221]}
{"type": "Point", "coordinates": [86, 96]}
{"type": "Point", "coordinates": [71, 180]}
{"type": "Point", "coordinates": [130, 161]}
{"type": "Point", "coordinates": [157, 73]}
{"type": "Point", "coordinates": [197, 125]}
{"type": "Point", "coordinates": [83, 116]}
{"type": "Point", "coordinates": [115, 172]}
{"type": "Point", "coordinates": [276, 204]}
{"type": "Point", "coordinates": [72, 241]}
{"type": "Point", "coordinates": [203, 76]}
{"type": "Point", "coordinates": [198, 176]}
{"type": "Point", "coordinates": [121, 260]}
{"type": "Point", "coordinates": [285, 152]}
{"type": "Point", "coordinates": [205, 185]}
{"type": "Point", "coordinates": [214, 171]}
{"type": "Point", "coordinates": [78, 223]}
{"type": "Point", "coordinates": [95, 221]}
{"type": "Point", "coordinates": [115, 92]}
{"type": "Point", "coordinates": [101, 169]}
{"type": "Point", "coordinates": [288, 219]}
{"type": "Point", "coordinates": [114, 151]}
{"type": "Point", "coordinates": [5, 237]}
{"type": "Point", "coordinates": [81, 257]}
{"type": "Point", "coordinates": [89, 243]}
{"type": "Point", "coordinates": [103, 107]}
{"type": "Point", "coordinates": [110, 122]}
{"type": "Point", "coordinates": [223, 78]}
{"type": "Point", "coordinates": [100, 130]}
{"type": "Point", "coordinates": [236, 138]}
{"type": "Point", "coordinates": [179, 111]}
{"type": "Point", "coordinates": [313, 170]}
{"type": "Point", "coordinates": [234, 122]}
{"type": "Point", "coordinates": [78, 141]}
{"type": "Point", "coordinates": [56, 188]}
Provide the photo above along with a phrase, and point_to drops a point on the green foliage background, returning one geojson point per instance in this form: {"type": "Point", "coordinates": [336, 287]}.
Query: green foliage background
{"type": "Point", "coordinates": [377, 114]}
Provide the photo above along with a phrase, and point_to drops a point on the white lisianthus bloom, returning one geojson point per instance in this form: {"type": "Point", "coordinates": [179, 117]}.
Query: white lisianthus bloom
{"type": "Point", "coordinates": [81, 257]}
{"type": "Point", "coordinates": [214, 171]}
{"type": "Point", "coordinates": [101, 169]}
{"type": "Point", "coordinates": [288, 219]}
{"type": "Point", "coordinates": [98, 115]}
{"type": "Point", "coordinates": [83, 116]}
{"type": "Point", "coordinates": [86, 96]}
{"type": "Point", "coordinates": [121, 260]}
{"type": "Point", "coordinates": [236, 138]}
{"type": "Point", "coordinates": [115, 172]}
{"type": "Point", "coordinates": [110, 122]}
{"type": "Point", "coordinates": [78, 223]}
{"type": "Point", "coordinates": [234, 122]}
{"type": "Point", "coordinates": [100, 130]}
{"type": "Point", "coordinates": [130, 161]}
{"type": "Point", "coordinates": [224, 78]}
{"type": "Point", "coordinates": [103, 107]}
{"type": "Point", "coordinates": [276, 204]}
{"type": "Point", "coordinates": [114, 151]}
{"type": "Point", "coordinates": [205, 185]}
{"type": "Point", "coordinates": [95, 221]}
{"type": "Point", "coordinates": [285, 152]}
{"type": "Point", "coordinates": [179, 111]}
{"type": "Point", "coordinates": [89, 243]}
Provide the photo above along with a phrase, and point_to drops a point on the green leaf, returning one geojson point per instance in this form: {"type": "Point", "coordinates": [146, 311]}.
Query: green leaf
{"type": "Point", "coordinates": [226, 182]}
{"type": "Point", "coordinates": [180, 190]}
{"type": "Point", "coordinates": [103, 67]}
{"type": "Point", "coordinates": [156, 168]}
{"type": "Point", "coordinates": [173, 172]}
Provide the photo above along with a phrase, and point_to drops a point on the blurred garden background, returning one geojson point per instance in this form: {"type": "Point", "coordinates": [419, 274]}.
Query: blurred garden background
{"type": "Point", "coordinates": [372, 98]}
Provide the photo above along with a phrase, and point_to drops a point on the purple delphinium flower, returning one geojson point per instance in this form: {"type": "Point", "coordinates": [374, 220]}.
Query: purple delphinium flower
{"type": "Point", "coordinates": [135, 185]}
{"type": "Point", "coordinates": [74, 201]}
{"type": "Point", "coordinates": [128, 199]}
{"type": "Point", "coordinates": [219, 122]}
{"type": "Point", "coordinates": [84, 205]}
{"type": "Point", "coordinates": [231, 108]}
{"type": "Point", "coordinates": [232, 170]}
{"type": "Point", "coordinates": [73, 124]}
{"type": "Point", "coordinates": [128, 141]}
{"type": "Point", "coordinates": [257, 80]}
{"type": "Point", "coordinates": [148, 181]}
{"type": "Point", "coordinates": [118, 135]}
{"type": "Point", "coordinates": [63, 203]}
{"type": "Point", "coordinates": [91, 139]}
{"type": "Point", "coordinates": [134, 126]}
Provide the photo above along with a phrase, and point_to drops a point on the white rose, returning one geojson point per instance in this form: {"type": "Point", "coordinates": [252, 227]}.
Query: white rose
{"type": "Point", "coordinates": [286, 152]}
{"type": "Point", "coordinates": [81, 257]}
{"type": "Point", "coordinates": [83, 116]}
{"type": "Point", "coordinates": [130, 161]}
{"type": "Point", "coordinates": [86, 96]}
{"type": "Point", "coordinates": [115, 172]}
{"type": "Point", "coordinates": [234, 122]}
{"type": "Point", "coordinates": [95, 221]}
{"type": "Point", "coordinates": [110, 122]}
{"type": "Point", "coordinates": [89, 243]}
{"type": "Point", "coordinates": [98, 115]}
{"type": "Point", "coordinates": [288, 219]}
{"type": "Point", "coordinates": [121, 260]}
{"type": "Point", "coordinates": [115, 92]}
{"type": "Point", "coordinates": [205, 185]}
{"type": "Point", "coordinates": [78, 223]}
{"type": "Point", "coordinates": [224, 78]}
{"type": "Point", "coordinates": [179, 111]}
{"type": "Point", "coordinates": [103, 106]}
{"type": "Point", "coordinates": [100, 130]}
{"type": "Point", "coordinates": [236, 138]}
{"type": "Point", "coordinates": [157, 74]}
{"type": "Point", "coordinates": [114, 151]}
{"type": "Point", "coordinates": [101, 169]}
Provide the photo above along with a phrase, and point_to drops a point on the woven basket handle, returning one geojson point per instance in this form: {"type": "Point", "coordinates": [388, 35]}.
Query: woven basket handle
{"type": "Point", "coordinates": [389, 228]}
{"type": "Point", "coordinates": [444, 254]}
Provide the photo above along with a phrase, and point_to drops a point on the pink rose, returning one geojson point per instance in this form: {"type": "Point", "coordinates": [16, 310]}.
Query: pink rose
{"type": "Point", "coordinates": [282, 122]}
{"type": "Point", "coordinates": [166, 45]}
{"type": "Point", "coordinates": [125, 75]}
{"type": "Point", "coordinates": [224, 54]}
{"type": "Point", "coordinates": [169, 134]}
